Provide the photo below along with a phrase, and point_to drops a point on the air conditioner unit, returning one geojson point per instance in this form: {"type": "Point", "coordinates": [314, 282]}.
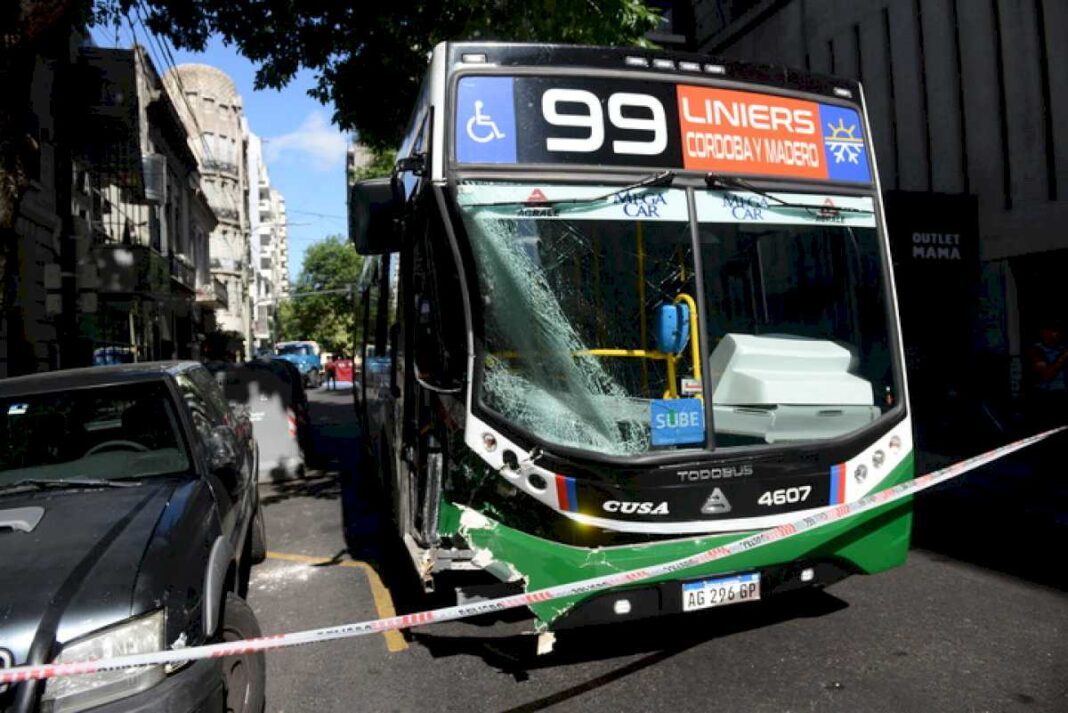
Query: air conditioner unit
{"type": "Point", "coordinates": [154, 167]}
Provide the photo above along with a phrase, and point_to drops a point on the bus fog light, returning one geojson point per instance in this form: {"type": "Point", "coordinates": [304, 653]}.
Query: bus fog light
{"type": "Point", "coordinates": [808, 574]}
{"type": "Point", "coordinates": [895, 444]}
{"type": "Point", "coordinates": [621, 607]}
{"type": "Point", "coordinates": [489, 442]}
{"type": "Point", "coordinates": [878, 458]}
{"type": "Point", "coordinates": [860, 473]}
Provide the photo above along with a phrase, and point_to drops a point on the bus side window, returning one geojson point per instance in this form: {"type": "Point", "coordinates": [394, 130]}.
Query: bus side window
{"type": "Point", "coordinates": [440, 331]}
{"type": "Point", "coordinates": [382, 318]}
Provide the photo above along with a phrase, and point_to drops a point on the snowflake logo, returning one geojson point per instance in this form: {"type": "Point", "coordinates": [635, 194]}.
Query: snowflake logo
{"type": "Point", "coordinates": [843, 145]}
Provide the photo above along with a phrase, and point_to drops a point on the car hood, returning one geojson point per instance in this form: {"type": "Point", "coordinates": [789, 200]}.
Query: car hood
{"type": "Point", "coordinates": [75, 571]}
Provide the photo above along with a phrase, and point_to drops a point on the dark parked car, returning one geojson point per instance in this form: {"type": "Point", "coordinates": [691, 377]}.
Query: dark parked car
{"type": "Point", "coordinates": [289, 373]}
{"type": "Point", "coordinates": [129, 518]}
{"type": "Point", "coordinates": [294, 395]}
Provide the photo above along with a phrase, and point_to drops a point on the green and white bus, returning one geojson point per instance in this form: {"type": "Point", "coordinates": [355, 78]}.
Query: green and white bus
{"type": "Point", "coordinates": [624, 306]}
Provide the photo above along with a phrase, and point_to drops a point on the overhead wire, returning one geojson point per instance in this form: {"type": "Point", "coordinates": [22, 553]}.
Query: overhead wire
{"type": "Point", "coordinates": [166, 61]}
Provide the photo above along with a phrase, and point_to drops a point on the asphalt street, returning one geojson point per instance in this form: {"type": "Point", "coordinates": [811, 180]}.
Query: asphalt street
{"type": "Point", "coordinates": [969, 624]}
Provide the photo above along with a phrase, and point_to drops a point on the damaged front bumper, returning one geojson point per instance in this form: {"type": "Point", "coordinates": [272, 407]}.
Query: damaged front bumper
{"type": "Point", "coordinates": [867, 543]}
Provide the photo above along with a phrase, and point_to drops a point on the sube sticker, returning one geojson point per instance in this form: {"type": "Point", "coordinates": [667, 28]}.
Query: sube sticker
{"type": "Point", "coordinates": [677, 421]}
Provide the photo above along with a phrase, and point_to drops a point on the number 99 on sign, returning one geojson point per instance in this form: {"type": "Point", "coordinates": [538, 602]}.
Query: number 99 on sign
{"type": "Point", "coordinates": [591, 118]}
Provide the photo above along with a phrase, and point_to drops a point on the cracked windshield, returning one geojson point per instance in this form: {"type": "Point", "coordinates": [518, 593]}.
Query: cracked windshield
{"type": "Point", "coordinates": [591, 330]}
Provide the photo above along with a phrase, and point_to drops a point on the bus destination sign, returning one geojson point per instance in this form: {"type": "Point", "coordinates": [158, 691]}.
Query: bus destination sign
{"type": "Point", "coordinates": [576, 120]}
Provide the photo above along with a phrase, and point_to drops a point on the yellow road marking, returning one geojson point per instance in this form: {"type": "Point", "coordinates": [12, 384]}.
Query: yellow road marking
{"type": "Point", "coordinates": [383, 601]}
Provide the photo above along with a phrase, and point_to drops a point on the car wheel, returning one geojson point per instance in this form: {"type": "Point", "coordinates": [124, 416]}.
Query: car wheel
{"type": "Point", "coordinates": [258, 536]}
{"type": "Point", "coordinates": [245, 676]}
{"type": "Point", "coordinates": [313, 379]}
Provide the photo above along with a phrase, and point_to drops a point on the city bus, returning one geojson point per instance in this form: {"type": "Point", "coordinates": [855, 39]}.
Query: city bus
{"type": "Point", "coordinates": [624, 305]}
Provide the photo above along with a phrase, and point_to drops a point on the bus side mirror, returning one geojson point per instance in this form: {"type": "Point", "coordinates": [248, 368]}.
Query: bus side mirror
{"type": "Point", "coordinates": [372, 217]}
{"type": "Point", "coordinates": [416, 163]}
{"type": "Point", "coordinates": [671, 327]}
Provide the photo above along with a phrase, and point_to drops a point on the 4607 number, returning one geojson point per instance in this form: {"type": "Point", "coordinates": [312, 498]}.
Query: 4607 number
{"type": "Point", "coordinates": [785, 496]}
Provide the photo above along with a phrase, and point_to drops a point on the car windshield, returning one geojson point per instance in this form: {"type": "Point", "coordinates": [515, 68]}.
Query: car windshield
{"type": "Point", "coordinates": [590, 323]}
{"type": "Point", "coordinates": [114, 432]}
{"type": "Point", "coordinates": [297, 349]}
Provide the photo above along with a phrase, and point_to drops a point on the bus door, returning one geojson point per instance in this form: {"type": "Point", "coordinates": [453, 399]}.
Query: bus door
{"type": "Point", "coordinates": [434, 364]}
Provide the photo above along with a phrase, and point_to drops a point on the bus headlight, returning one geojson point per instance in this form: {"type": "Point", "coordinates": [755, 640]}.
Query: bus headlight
{"type": "Point", "coordinates": [76, 693]}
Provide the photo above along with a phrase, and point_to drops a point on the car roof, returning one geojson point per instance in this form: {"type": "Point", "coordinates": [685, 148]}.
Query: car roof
{"type": "Point", "coordinates": [66, 379]}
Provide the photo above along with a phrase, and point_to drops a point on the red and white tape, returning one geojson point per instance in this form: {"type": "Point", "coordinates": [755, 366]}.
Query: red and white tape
{"type": "Point", "coordinates": [345, 631]}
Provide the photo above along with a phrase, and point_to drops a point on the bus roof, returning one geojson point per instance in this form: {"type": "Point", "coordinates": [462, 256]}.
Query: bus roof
{"type": "Point", "coordinates": [679, 66]}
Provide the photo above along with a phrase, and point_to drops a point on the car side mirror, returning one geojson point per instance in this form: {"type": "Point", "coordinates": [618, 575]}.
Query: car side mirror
{"type": "Point", "coordinates": [222, 453]}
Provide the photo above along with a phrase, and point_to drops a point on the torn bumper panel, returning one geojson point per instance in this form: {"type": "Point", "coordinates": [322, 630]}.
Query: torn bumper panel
{"type": "Point", "coordinates": [867, 543]}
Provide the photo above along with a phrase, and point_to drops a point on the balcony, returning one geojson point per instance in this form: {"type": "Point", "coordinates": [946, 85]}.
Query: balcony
{"type": "Point", "coordinates": [131, 269]}
{"type": "Point", "coordinates": [214, 294]}
{"type": "Point", "coordinates": [261, 329]}
{"type": "Point", "coordinates": [183, 274]}
{"type": "Point", "coordinates": [221, 166]}
{"type": "Point", "coordinates": [222, 264]}
{"type": "Point", "coordinates": [224, 213]}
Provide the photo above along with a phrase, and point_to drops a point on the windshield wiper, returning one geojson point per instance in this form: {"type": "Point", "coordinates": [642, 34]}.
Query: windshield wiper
{"type": "Point", "coordinates": [62, 483]}
{"type": "Point", "coordinates": [716, 180]}
{"type": "Point", "coordinates": [656, 180]}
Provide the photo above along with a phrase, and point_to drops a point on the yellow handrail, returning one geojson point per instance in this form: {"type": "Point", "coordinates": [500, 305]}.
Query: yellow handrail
{"type": "Point", "coordinates": [695, 339]}
{"type": "Point", "coordinates": [670, 359]}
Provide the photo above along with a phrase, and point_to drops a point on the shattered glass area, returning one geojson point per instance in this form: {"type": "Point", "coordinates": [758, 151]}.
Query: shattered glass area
{"type": "Point", "coordinates": [557, 285]}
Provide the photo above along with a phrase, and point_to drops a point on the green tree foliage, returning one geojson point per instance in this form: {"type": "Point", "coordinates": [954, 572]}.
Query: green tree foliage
{"type": "Point", "coordinates": [317, 310]}
{"type": "Point", "coordinates": [370, 59]}
{"type": "Point", "coordinates": [381, 165]}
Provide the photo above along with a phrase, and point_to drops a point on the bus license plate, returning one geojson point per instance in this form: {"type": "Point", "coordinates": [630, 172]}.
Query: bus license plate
{"type": "Point", "coordinates": [720, 592]}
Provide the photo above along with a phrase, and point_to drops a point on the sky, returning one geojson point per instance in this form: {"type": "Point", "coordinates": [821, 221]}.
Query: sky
{"type": "Point", "coordinates": [305, 153]}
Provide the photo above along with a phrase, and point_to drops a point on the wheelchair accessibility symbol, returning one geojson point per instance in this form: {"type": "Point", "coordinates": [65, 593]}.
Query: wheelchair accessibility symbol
{"type": "Point", "coordinates": [481, 127]}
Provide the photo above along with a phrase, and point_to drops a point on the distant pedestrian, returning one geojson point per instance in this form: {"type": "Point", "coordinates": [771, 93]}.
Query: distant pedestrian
{"type": "Point", "coordinates": [331, 374]}
{"type": "Point", "coordinates": [1048, 364]}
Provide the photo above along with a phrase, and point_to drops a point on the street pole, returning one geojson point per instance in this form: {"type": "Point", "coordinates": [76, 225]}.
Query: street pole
{"type": "Point", "coordinates": [64, 179]}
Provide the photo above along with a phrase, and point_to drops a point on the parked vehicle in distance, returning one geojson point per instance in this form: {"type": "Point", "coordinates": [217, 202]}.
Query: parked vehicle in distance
{"type": "Point", "coordinates": [306, 356]}
{"type": "Point", "coordinates": [129, 511]}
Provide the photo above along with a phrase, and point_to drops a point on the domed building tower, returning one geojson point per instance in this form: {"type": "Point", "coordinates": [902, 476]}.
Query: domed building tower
{"type": "Point", "coordinates": [218, 132]}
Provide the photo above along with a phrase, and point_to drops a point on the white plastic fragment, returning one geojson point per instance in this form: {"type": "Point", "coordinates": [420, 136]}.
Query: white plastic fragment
{"type": "Point", "coordinates": [473, 520]}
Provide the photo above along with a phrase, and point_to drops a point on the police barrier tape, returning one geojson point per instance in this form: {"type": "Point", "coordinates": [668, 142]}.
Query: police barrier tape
{"type": "Point", "coordinates": [269, 643]}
